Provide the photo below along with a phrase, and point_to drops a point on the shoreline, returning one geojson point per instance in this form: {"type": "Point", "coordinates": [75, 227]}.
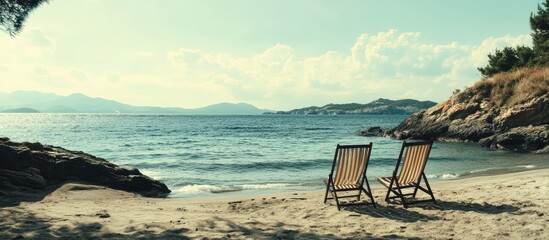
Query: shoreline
{"type": "Point", "coordinates": [373, 183]}
{"type": "Point", "coordinates": [505, 206]}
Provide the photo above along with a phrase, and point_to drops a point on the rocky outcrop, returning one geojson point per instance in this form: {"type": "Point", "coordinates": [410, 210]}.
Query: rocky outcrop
{"type": "Point", "coordinates": [35, 166]}
{"type": "Point", "coordinates": [376, 131]}
{"type": "Point", "coordinates": [377, 107]}
{"type": "Point", "coordinates": [510, 111]}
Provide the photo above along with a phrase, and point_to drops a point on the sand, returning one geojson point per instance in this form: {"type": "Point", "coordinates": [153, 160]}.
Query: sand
{"type": "Point", "coordinates": [508, 206]}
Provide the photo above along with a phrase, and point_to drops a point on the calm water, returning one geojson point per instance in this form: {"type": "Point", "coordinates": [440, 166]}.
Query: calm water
{"type": "Point", "coordinates": [203, 155]}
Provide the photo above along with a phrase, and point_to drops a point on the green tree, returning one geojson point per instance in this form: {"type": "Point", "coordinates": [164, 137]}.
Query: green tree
{"type": "Point", "coordinates": [500, 61]}
{"type": "Point", "coordinates": [525, 55]}
{"type": "Point", "coordinates": [13, 14]}
{"type": "Point", "coordinates": [522, 56]}
{"type": "Point", "coordinates": [539, 23]}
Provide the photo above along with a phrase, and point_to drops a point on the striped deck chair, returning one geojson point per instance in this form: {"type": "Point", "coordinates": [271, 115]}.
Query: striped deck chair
{"type": "Point", "coordinates": [414, 156]}
{"type": "Point", "coordinates": [350, 174]}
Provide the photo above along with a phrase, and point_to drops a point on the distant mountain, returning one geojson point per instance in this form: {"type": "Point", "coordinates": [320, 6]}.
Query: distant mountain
{"type": "Point", "coordinates": [380, 106]}
{"type": "Point", "coordinates": [20, 110]}
{"type": "Point", "coordinates": [230, 109]}
{"type": "Point", "coordinates": [24, 101]}
{"type": "Point", "coordinates": [25, 98]}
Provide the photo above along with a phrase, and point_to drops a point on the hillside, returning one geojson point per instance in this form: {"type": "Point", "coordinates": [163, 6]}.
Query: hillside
{"type": "Point", "coordinates": [380, 106]}
{"type": "Point", "coordinates": [29, 101]}
{"type": "Point", "coordinates": [508, 111]}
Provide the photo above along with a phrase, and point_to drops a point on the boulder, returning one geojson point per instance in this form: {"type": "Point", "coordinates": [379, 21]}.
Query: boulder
{"type": "Point", "coordinates": [521, 139]}
{"type": "Point", "coordinates": [372, 132]}
{"type": "Point", "coordinates": [34, 165]}
{"type": "Point", "coordinates": [29, 178]}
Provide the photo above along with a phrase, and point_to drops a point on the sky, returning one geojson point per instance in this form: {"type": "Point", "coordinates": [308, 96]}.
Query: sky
{"type": "Point", "coordinates": [274, 54]}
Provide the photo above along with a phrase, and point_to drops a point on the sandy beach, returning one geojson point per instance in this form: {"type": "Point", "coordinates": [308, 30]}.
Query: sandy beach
{"type": "Point", "coordinates": [507, 206]}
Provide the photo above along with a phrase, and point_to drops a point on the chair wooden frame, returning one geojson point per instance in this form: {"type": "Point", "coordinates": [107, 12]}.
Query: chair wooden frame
{"type": "Point", "coordinates": [415, 156]}
{"type": "Point", "coordinates": [350, 174]}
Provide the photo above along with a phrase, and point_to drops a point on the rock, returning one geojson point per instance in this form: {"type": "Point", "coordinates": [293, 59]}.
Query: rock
{"type": "Point", "coordinates": [522, 139]}
{"type": "Point", "coordinates": [29, 178]}
{"type": "Point", "coordinates": [418, 126]}
{"type": "Point", "coordinates": [372, 132]}
{"type": "Point", "coordinates": [510, 111]}
{"type": "Point", "coordinates": [103, 214]}
{"type": "Point", "coordinates": [34, 165]}
{"type": "Point", "coordinates": [534, 112]}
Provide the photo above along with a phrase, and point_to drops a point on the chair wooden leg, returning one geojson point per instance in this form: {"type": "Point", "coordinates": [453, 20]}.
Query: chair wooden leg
{"type": "Point", "coordinates": [369, 193]}
{"type": "Point", "coordinates": [389, 191]}
{"type": "Point", "coordinates": [429, 188]}
{"type": "Point", "coordinates": [416, 188]}
{"type": "Point", "coordinates": [401, 195]}
{"type": "Point", "coordinates": [337, 201]}
{"type": "Point", "coordinates": [326, 195]}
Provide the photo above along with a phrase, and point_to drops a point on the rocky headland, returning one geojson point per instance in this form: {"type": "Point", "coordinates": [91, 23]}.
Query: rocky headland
{"type": "Point", "coordinates": [377, 107]}
{"type": "Point", "coordinates": [508, 111]}
{"type": "Point", "coordinates": [28, 166]}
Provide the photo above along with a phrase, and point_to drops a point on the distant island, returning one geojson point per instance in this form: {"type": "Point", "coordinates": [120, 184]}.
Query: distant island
{"type": "Point", "coordinates": [377, 107]}
{"type": "Point", "coordinates": [34, 102]}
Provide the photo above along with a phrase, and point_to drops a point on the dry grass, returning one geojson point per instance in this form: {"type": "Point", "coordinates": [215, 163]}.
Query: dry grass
{"type": "Point", "coordinates": [511, 88]}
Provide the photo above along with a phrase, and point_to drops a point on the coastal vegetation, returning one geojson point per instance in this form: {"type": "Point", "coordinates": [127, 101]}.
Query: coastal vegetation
{"type": "Point", "coordinates": [516, 87]}
{"type": "Point", "coordinates": [513, 58]}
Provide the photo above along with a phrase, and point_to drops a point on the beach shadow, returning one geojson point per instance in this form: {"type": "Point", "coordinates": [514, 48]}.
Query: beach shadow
{"type": "Point", "coordinates": [486, 208]}
{"type": "Point", "coordinates": [280, 230]}
{"type": "Point", "coordinates": [16, 197]}
{"type": "Point", "coordinates": [19, 224]}
{"type": "Point", "coordinates": [391, 212]}
{"type": "Point", "coordinates": [89, 231]}
{"type": "Point", "coordinates": [24, 225]}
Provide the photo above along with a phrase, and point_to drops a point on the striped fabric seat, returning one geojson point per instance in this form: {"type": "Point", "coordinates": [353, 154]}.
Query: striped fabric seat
{"type": "Point", "coordinates": [386, 181]}
{"type": "Point", "coordinates": [413, 157]}
{"type": "Point", "coordinates": [349, 172]}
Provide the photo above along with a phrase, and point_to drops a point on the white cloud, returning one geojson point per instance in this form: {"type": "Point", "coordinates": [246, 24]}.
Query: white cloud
{"type": "Point", "coordinates": [386, 64]}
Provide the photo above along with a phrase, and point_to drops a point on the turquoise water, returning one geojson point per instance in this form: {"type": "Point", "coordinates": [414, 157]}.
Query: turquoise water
{"type": "Point", "coordinates": [208, 155]}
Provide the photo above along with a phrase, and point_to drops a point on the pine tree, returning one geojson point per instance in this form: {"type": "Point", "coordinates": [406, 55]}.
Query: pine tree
{"type": "Point", "coordinates": [539, 23]}
{"type": "Point", "coordinates": [13, 14]}
{"type": "Point", "coordinates": [521, 56]}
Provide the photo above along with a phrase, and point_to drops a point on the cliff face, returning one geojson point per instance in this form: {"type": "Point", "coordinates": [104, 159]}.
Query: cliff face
{"type": "Point", "coordinates": [509, 111]}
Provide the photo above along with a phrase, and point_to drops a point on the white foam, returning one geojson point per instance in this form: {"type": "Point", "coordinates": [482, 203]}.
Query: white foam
{"type": "Point", "coordinates": [196, 188]}
{"type": "Point", "coordinates": [528, 166]}
{"type": "Point", "coordinates": [482, 170]}
{"type": "Point", "coordinates": [266, 186]}
{"type": "Point", "coordinates": [449, 176]}
{"type": "Point", "coordinates": [444, 176]}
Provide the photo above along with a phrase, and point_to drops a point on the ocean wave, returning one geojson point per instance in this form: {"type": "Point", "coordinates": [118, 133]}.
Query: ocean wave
{"type": "Point", "coordinates": [206, 188]}
{"type": "Point", "coordinates": [198, 188]}
{"type": "Point", "coordinates": [445, 176]}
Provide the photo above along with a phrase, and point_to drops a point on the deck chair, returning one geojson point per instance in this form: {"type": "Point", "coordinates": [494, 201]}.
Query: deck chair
{"type": "Point", "coordinates": [349, 174]}
{"type": "Point", "coordinates": [414, 156]}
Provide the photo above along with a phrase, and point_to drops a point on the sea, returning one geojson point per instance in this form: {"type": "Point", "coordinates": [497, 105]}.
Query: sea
{"type": "Point", "coordinates": [209, 156]}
